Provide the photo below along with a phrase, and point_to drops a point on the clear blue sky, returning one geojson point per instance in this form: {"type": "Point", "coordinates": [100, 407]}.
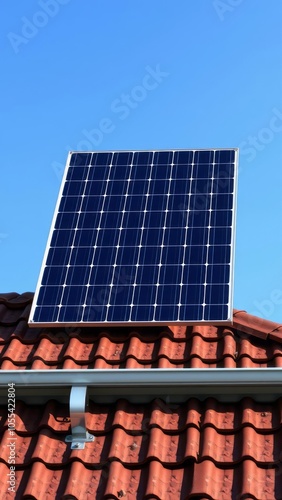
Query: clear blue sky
{"type": "Point", "coordinates": [126, 74]}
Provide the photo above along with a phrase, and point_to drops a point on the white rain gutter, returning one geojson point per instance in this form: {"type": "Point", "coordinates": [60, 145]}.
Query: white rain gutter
{"type": "Point", "coordinates": [153, 378]}
{"type": "Point", "coordinates": [156, 382]}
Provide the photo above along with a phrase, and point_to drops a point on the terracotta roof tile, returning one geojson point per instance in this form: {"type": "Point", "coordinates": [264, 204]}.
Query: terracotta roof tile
{"type": "Point", "coordinates": [171, 347]}
{"type": "Point", "coordinates": [203, 480]}
{"type": "Point", "coordinates": [259, 327]}
{"type": "Point", "coordinates": [158, 450]}
{"type": "Point", "coordinates": [178, 451]}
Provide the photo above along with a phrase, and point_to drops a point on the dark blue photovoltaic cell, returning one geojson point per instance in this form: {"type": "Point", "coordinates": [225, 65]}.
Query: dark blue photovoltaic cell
{"type": "Point", "coordinates": [224, 156]}
{"type": "Point", "coordinates": [66, 220]}
{"type": "Point", "coordinates": [80, 159]}
{"type": "Point", "coordinates": [194, 274]}
{"type": "Point", "coordinates": [141, 236]}
{"type": "Point", "coordinates": [54, 275]}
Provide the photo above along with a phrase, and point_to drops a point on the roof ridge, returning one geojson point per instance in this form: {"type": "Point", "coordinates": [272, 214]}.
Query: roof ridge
{"type": "Point", "coordinates": [14, 299]}
{"type": "Point", "coordinates": [256, 326]}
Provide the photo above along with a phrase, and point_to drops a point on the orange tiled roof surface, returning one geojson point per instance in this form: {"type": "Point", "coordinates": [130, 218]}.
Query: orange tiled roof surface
{"type": "Point", "coordinates": [199, 449]}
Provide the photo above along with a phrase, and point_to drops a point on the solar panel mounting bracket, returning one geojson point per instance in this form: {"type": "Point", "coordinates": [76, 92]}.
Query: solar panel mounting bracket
{"type": "Point", "coordinates": [79, 435]}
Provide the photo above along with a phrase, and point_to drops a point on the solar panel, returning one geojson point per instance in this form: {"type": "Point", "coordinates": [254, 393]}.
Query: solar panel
{"type": "Point", "coordinates": [141, 237]}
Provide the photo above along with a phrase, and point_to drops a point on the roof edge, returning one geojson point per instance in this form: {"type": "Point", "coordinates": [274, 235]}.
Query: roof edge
{"type": "Point", "coordinates": [144, 384]}
{"type": "Point", "coordinates": [258, 327]}
{"type": "Point", "coordinates": [132, 377]}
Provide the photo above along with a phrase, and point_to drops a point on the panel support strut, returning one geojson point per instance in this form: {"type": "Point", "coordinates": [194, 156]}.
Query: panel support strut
{"type": "Point", "coordinates": [79, 435]}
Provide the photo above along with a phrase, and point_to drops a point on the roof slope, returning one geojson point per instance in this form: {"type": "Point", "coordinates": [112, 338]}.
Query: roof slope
{"type": "Point", "coordinates": [158, 450]}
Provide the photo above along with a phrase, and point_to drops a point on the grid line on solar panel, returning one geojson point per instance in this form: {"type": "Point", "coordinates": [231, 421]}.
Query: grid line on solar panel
{"type": "Point", "coordinates": [156, 240]}
{"type": "Point", "coordinates": [165, 217]}
{"type": "Point", "coordinates": [77, 254]}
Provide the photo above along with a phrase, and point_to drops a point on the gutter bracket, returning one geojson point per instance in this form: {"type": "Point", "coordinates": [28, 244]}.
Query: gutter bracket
{"type": "Point", "coordinates": [79, 435]}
